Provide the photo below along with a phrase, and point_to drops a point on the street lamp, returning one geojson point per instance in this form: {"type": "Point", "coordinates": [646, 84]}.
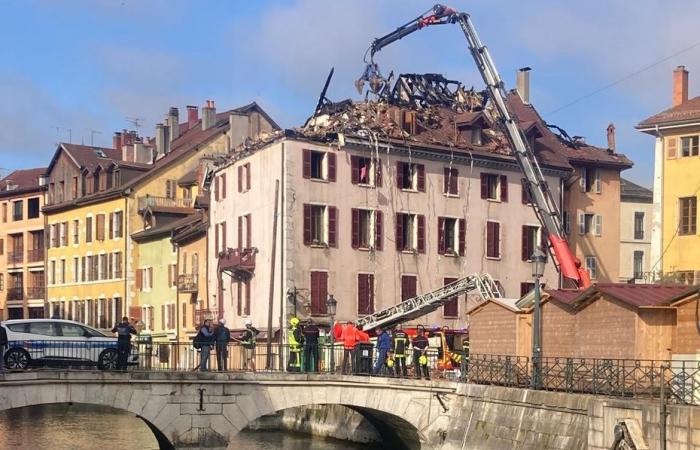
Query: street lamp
{"type": "Point", "coordinates": [331, 304]}
{"type": "Point", "coordinates": [538, 261]}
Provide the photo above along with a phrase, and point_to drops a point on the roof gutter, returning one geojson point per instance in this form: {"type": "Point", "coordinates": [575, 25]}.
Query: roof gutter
{"type": "Point", "coordinates": [667, 126]}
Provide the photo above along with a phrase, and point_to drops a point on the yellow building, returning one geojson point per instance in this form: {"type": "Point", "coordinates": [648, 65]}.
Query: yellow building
{"type": "Point", "coordinates": [22, 292]}
{"type": "Point", "coordinates": [675, 237]}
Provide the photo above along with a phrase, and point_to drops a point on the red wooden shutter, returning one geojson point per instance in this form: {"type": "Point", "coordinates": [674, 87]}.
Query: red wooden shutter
{"type": "Point", "coordinates": [332, 226]}
{"type": "Point", "coordinates": [408, 287]}
{"type": "Point", "coordinates": [504, 188]}
{"type": "Point", "coordinates": [249, 232]}
{"type": "Point", "coordinates": [223, 185]}
{"type": "Point", "coordinates": [307, 163]}
{"type": "Point", "coordinates": [525, 243]}
{"type": "Point", "coordinates": [451, 308]}
{"type": "Point", "coordinates": [239, 298]}
{"type": "Point", "coordinates": [240, 178]}
{"type": "Point", "coordinates": [378, 230]}
{"type": "Point", "coordinates": [399, 232]}
{"type": "Point", "coordinates": [354, 169]}
{"type": "Point", "coordinates": [421, 233]}
{"type": "Point", "coordinates": [399, 174]}
{"type": "Point", "coordinates": [441, 236]}
{"type": "Point", "coordinates": [170, 275]}
{"type": "Point", "coordinates": [355, 227]}
{"type": "Point", "coordinates": [446, 180]}
{"type": "Point", "coordinates": [462, 236]}
{"type": "Point", "coordinates": [216, 188]}
{"type": "Point", "coordinates": [223, 237]}
{"type": "Point", "coordinates": [331, 166]}
{"type": "Point", "coordinates": [111, 226]}
{"type": "Point", "coordinates": [319, 292]}
{"type": "Point", "coordinates": [378, 173]}
{"type": "Point", "coordinates": [497, 239]}
{"type": "Point", "coordinates": [247, 176]}
{"type": "Point", "coordinates": [307, 224]}
{"type": "Point", "coordinates": [454, 180]}
{"type": "Point", "coordinates": [484, 185]}
{"type": "Point", "coordinates": [404, 289]}
{"type": "Point", "coordinates": [421, 177]}
{"type": "Point", "coordinates": [246, 309]}
{"type": "Point", "coordinates": [240, 232]}
{"type": "Point", "coordinates": [362, 297]}
{"type": "Point", "coordinates": [216, 241]}
{"type": "Point", "coordinates": [672, 146]}
{"type": "Point", "coordinates": [489, 239]}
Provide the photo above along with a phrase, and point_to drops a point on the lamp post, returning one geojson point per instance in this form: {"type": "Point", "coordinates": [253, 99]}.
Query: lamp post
{"type": "Point", "coordinates": [538, 261]}
{"type": "Point", "coordinates": [331, 304]}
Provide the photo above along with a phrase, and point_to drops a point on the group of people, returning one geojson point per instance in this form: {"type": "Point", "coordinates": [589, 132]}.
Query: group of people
{"type": "Point", "coordinates": [219, 337]}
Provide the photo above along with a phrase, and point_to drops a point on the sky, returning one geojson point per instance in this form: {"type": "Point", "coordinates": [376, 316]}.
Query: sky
{"type": "Point", "coordinates": [78, 70]}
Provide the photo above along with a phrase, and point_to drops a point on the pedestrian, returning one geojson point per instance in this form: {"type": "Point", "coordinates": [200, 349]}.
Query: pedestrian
{"type": "Point", "coordinates": [205, 339]}
{"type": "Point", "coordinates": [222, 336]}
{"type": "Point", "coordinates": [311, 334]}
{"type": "Point", "coordinates": [124, 331]}
{"type": "Point", "coordinates": [349, 338]}
{"type": "Point", "coordinates": [3, 346]}
{"type": "Point", "coordinates": [248, 339]}
{"type": "Point", "coordinates": [420, 354]}
{"type": "Point", "coordinates": [399, 348]}
{"type": "Point", "coordinates": [383, 349]}
{"type": "Point", "coordinates": [296, 340]}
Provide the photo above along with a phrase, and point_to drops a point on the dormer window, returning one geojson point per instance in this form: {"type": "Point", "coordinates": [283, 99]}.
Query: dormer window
{"type": "Point", "coordinates": [476, 135]}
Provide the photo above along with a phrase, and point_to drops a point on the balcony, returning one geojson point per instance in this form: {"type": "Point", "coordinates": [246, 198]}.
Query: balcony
{"type": "Point", "coordinates": [187, 282]}
{"type": "Point", "coordinates": [150, 201]}
{"type": "Point", "coordinates": [35, 255]}
{"type": "Point", "coordinates": [16, 257]}
{"type": "Point", "coordinates": [36, 292]}
{"type": "Point", "coordinates": [16, 293]}
{"type": "Point", "coordinates": [239, 262]}
{"type": "Point", "coordinates": [200, 315]}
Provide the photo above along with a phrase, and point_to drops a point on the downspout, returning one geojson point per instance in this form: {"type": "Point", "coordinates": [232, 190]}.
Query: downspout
{"type": "Point", "coordinates": [177, 292]}
{"type": "Point", "coordinates": [283, 295]}
{"type": "Point", "coordinates": [659, 261]}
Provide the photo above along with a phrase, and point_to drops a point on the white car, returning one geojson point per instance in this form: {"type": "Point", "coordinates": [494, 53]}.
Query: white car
{"type": "Point", "coordinates": [64, 342]}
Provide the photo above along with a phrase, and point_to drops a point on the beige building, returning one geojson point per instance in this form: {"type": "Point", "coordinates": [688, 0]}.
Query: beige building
{"type": "Point", "coordinates": [636, 208]}
{"type": "Point", "coordinates": [22, 283]}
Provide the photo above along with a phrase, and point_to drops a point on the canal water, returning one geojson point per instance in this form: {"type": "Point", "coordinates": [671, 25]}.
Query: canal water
{"type": "Point", "coordinates": [83, 427]}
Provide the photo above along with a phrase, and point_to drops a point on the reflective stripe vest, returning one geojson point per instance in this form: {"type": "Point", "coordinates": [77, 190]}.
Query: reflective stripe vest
{"type": "Point", "coordinates": [465, 348]}
{"type": "Point", "coordinates": [400, 344]}
{"type": "Point", "coordinates": [294, 344]}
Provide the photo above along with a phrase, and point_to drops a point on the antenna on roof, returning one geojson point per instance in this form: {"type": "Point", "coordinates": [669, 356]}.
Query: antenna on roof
{"type": "Point", "coordinates": [135, 121]}
{"type": "Point", "coordinates": [92, 136]}
{"type": "Point", "coordinates": [70, 134]}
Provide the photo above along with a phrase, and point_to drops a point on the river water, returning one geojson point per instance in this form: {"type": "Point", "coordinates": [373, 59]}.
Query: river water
{"type": "Point", "coordinates": [83, 427]}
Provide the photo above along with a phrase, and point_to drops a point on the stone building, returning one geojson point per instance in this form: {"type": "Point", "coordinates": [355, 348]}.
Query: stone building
{"type": "Point", "coordinates": [635, 232]}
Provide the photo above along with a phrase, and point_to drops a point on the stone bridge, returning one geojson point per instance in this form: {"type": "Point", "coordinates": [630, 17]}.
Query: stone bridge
{"type": "Point", "coordinates": [195, 410]}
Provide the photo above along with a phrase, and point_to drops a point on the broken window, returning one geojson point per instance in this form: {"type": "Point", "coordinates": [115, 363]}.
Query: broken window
{"type": "Point", "coordinates": [589, 180]}
{"type": "Point", "coordinates": [494, 187]}
{"type": "Point", "coordinates": [688, 216]}
{"type": "Point", "coordinates": [410, 176]}
{"type": "Point", "coordinates": [410, 232]}
{"type": "Point", "coordinates": [476, 136]}
{"type": "Point", "coordinates": [493, 240]}
{"type": "Point", "coordinates": [689, 146]}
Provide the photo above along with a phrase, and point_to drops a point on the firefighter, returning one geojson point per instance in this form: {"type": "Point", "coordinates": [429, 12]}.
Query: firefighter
{"type": "Point", "coordinates": [399, 348]}
{"type": "Point", "coordinates": [420, 354]}
{"type": "Point", "coordinates": [296, 339]}
{"type": "Point", "coordinates": [464, 366]}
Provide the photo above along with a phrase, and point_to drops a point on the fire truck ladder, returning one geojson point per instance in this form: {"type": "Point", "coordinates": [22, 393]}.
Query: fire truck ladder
{"type": "Point", "coordinates": [423, 304]}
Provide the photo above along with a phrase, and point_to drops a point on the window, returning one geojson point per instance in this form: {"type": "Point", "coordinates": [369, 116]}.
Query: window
{"type": "Point", "coordinates": [63, 233]}
{"type": "Point", "coordinates": [451, 308]}
{"type": "Point", "coordinates": [319, 165]}
{"type": "Point", "coordinates": [243, 290]}
{"type": "Point", "coordinates": [74, 188]}
{"type": "Point", "coordinates": [365, 293]}
{"type": "Point", "coordinates": [531, 240]}
{"type": "Point", "coordinates": [410, 232]}
{"type": "Point", "coordinates": [639, 225]}
{"type": "Point", "coordinates": [526, 288]}
{"type": "Point", "coordinates": [244, 178]}
{"type": "Point", "coordinates": [689, 146]}
{"type": "Point", "coordinates": [686, 277]}
{"type": "Point", "coordinates": [100, 227]}
{"type": "Point", "coordinates": [493, 240]}
{"type": "Point", "coordinates": [320, 225]}
{"type": "Point", "coordinates": [589, 180]}
{"type": "Point", "coordinates": [72, 330]}
{"type": "Point", "coordinates": [62, 272]}
{"type": "Point", "coordinates": [220, 187]}
{"type": "Point", "coordinates": [566, 221]}
{"type": "Point", "coordinates": [172, 275]}
{"type": "Point", "coordinates": [638, 264]}
{"type": "Point", "coordinates": [688, 216]}
{"type": "Point", "coordinates": [104, 267]}
{"type": "Point", "coordinates": [33, 208]}
{"type": "Point", "coordinates": [590, 223]}
{"type": "Point", "coordinates": [76, 269]}
{"type": "Point", "coordinates": [408, 287]}
{"type": "Point", "coordinates": [88, 229]}
{"type": "Point", "coordinates": [17, 210]}
{"type": "Point", "coordinates": [476, 136]}
{"type": "Point", "coordinates": [4, 212]}
{"type": "Point", "coordinates": [2, 282]}
{"type": "Point", "coordinates": [526, 195]}
{"type": "Point", "coordinates": [494, 187]}
{"type": "Point", "coordinates": [319, 292]}
{"type": "Point", "coordinates": [592, 266]}
{"type": "Point", "coordinates": [52, 272]}
{"type": "Point", "coordinates": [220, 238]}
{"type": "Point", "coordinates": [367, 229]}
{"type": "Point", "coordinates": [245, 231]}
{"type": "Point", "coordinates": [43, 328]}
{"type": "Point", "coordinates": [117, 230]}
{"type": "Point", "coordinates": [451, 236]}
{"type": "Point", "coordinates": [61, 191]}
{"type": "Point", "coordinates": [171, 189]}
{"type": "Point", "coordinates": [2, 246]}
{"type": "Point", "coordinates": [117, 265]}
{"type": "Point", "coordinates": [144, 278]}
{"type": "Point", "coordinates": [410, 176]}
{"type": "Point", "coordinates": [366, 171]}
{"type": "Point", "coordinates": [450, 184]}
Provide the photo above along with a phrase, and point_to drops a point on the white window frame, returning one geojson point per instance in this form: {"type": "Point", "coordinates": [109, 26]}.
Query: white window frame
{"type": "Point", "coordinates": [325, 226]}
{"type": "Point", "coordinates": [324, 165]}
{"type": "Point", "coordinates": [690, 149]}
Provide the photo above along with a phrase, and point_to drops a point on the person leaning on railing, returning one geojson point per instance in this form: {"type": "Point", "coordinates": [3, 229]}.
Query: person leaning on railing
{"type": "Point", "coordinates": [205, 339]}
{"type": "Point", "coordinates": [222, 336]}
{"type": "Point", "coordinates": [124, 331]}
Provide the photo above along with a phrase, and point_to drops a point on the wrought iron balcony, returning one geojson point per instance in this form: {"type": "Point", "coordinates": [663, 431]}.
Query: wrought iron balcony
{"type": "Point", "coordinates": [36, 292]}
{"type": "Point", "coordinates": [16, 293]}
{"type": "Point", "coordinates": [187, 282]}
{"type": "Point", "coordinates": [151, 201]}
{"type": "Point", "coordinates": [16, 257]}
{"type": "Point", "coordinates": [35, 255]}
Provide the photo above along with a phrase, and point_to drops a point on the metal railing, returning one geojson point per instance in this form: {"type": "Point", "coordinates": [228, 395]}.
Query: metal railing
{"type": "Point", "coordinates": [150, 201]}
{"type": "Point", "coordinates": [35, 292]}
{"type": "Point", "coordinates": [35, 255]}
{"type": "Point", "coordinates": [15, 293]}
{"type": "Point", "coordinates": [188, 282]}
{"type": "Point", "coordinates": [15, 257]}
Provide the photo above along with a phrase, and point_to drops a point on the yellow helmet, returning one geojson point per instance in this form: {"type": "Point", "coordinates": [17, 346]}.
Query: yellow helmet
{"type": "Point", "coordinates": [390, 363]}
{"type": "Point", "coordinates": [294, 321]}
{"type": "Point", "coordinates": [423, 360]}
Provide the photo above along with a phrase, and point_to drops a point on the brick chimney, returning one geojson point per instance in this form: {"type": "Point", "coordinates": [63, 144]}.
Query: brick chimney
{"type": "Point", "coordinates": [522, 84]}
{"type": "Point", "coordinates": [192, 115]}
{"type": "Point", "coordinates": [117, 140]}
{"type": "Point", "coordinates": [680, 85]}
{"type": "Point", "coordinates": [208, 115]}
{"type": "Point", "coordinates": [174, 123]}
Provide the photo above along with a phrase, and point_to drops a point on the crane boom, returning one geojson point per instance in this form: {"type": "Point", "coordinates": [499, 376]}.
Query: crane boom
{"type": "Point", "coordinates": [543, 202]}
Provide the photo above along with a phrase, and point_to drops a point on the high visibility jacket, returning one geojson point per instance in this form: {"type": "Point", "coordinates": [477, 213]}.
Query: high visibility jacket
{"type": "Point", "coordinates": [294, 339]}
{"type": "Point", "coordinates": [465, 348]}
{"type": "Point", "coordinates": [400, 344]}
{"type": "Point", "coordinates": [349, 336]}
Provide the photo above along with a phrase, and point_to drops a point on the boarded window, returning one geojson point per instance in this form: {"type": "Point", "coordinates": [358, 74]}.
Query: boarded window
{"type": "Point", "coordinates": [319, 292]}
{"type": "Point", "coordinates": [408, 287]}
{"type": "Point", "coordinates": [365, 293]}
{"type": "Point", "coordinates": [451, 307]}
{"type": "Point", "coordinates": [493, 240]}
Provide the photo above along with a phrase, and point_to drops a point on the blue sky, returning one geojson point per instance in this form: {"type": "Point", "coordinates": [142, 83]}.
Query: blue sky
{"type": "Point", "coordinates": [89, 64]}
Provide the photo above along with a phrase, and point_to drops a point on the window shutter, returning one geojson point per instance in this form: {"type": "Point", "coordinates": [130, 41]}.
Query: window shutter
{"type": "Point", "coordinates": [525, 195]}
{"type": "Point", "coordinates": [162, 317]}
{"type": "Point", "coordinates": [331, 166]}
{"type": "Point", "coordinates": [497, 239]}
{"type": "Point", "coordinates": [454, 182]}
{"type": "Point", "coordinates": [446, 181]}
{"type": "Point", "coordinates": [246, 308]}
{"type": "Point", "coordinates": [110, 266]}
{"type": "Point", "coordinates": [239, 298]}
{"type": "Point", "coordinates": [139, 278]}
{"type": "Point", "coordinates": [362, 294]}
{"type": "Point", "coordinates": [240, 178]}
{"type": "Point", "coordinates": [421, 233]}
{"type": "Point", "coordinates": [581, 223]}
{"type": "Point", "coordinates": [672, 148]}
{"type": "Point", "coordinates": [307, 163]}
{"type": "Point", "coordinates": [451, 308]}
{"type": "Point", "coordinates": [377, 178]}
{"type": "Point", "coordinates": [525, 243]}
{"type": "Point", "coordinates": [582, 179]}
{"type": "Point", "coordinates": [100, 227]}
{"type": "Point", "coordinates": [223, 185]}
{"type": "Point", "coordinates": [597, 183]}
{"type": "Point", "coordinates": [399, 232]}
{"type": "Point", "coordinates": [170, 275]}
{"type": "Point", "coordinates": [333, 226]}
{"type": "Point", "coordinates": [504, 188]}
{"type": "Point", "coordinates": [111, 226]}
{"type": "Point", "coordinates": [378, 230]}
{"type": "Point", "coordinates": [484, 186]}
{"type": "Point", "coordinates": [216, 188]}
{"type": "Point", "coordinates": [240, 232]}
{"type": "Point", "coordinates": [404, 288]}
{"type": "Point", "coordinates": [307, 224]}
{"type": "Point", "coordinates": [217, 244]}
{"type": "Point", "coordinates": [247, 176]}
{"type": "Point", "coordinates": [462, 236]}
{"type": "Point", "coordinates": [167, 189]}
{"type": "Point", "coordinates": [421, 177]}
{"type": "Point", "coordinates": [399, 174]}
{"type": "Point", "coordinates": [441, 236]}
{"type": "Point", "coordinates": [249, 232]}
{"type": "Point", "coordinates": [120, 225]}
{"type": "Point", "coordinates": [354, 169]}
{"type": "Point", "coordinates": [355, 228]}
{"type": "Point", "coordinates": [223, 237]}
{"type": "Point", "coordinates": [598, 224]}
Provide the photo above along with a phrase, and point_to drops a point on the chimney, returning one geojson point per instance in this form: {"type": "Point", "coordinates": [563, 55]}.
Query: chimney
{"type": "Point", "coordinates": [141, 153]}
{"type": "Point", "coordinates": [611, 137]}
{"type": "Point", "coordinates": [523, 84]}
{"type": "Point", "coordinates": [162, 142]}
{"type": "Point", "coordinates": [680, 86]}
{"type": "Point", "coordinates": [238, 129]}
{"type": "Point", "coordinates": [208, 115]}
{"type": "Point", "coordinates": [128, 137]}
{"type": "Point", "coordinates": [192, 116]}
{"type": "Point", "coordinates": [174, 123]}
{"type": "Point", "coordinates": [117, 140]}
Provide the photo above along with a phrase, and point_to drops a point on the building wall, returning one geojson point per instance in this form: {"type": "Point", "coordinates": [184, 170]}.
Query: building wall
{"type": "Point", "coordinates": [655, 329]}
{"type": "Point", "coordinates": [31, 262]}
{"type": "Point", "coordinates": [628, 243]}
{"type": "Point", "coordinates": [605, 204]}
{"type": "Point", "coordinates": [605, 329]}
{"type": "Point", "coordinates": [189, 303]}
{"type": "Point", "coordinates": [158, 255]}
{"type": "Point", "coordinates": [686, 340]}
{"type": "Point", "coordinates": [86, 290]}
{"type": "Point", "coordinates": [558, 321]}
{"type": "Point", "coordinates": [493, 330]}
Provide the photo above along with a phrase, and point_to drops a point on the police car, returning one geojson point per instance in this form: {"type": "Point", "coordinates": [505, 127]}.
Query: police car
{"type": "Point", "coordinates": [59, 342]}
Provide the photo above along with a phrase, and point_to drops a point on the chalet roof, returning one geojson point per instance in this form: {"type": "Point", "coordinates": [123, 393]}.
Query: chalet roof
{"type": "Point", "coordinates": [687, 112]}
{"type": "Point", "coordinates": [23, 180]}
{"type": "Point", "coordinates": [87, 156]}
{"type": "Point", "coordinates": [635, 295]}
{"type": "Point", "coordinates": [507, 303]}
{"type": "Point", "coordinates": [633, 192]}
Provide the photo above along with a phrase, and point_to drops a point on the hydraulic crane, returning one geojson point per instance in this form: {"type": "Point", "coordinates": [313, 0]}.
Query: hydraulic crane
{"type": "Point", "coordinates": [543, 202]}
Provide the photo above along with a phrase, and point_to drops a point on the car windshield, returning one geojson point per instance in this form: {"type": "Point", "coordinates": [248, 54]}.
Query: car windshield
{"type": "Point", "coordinates": [93, 333]}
